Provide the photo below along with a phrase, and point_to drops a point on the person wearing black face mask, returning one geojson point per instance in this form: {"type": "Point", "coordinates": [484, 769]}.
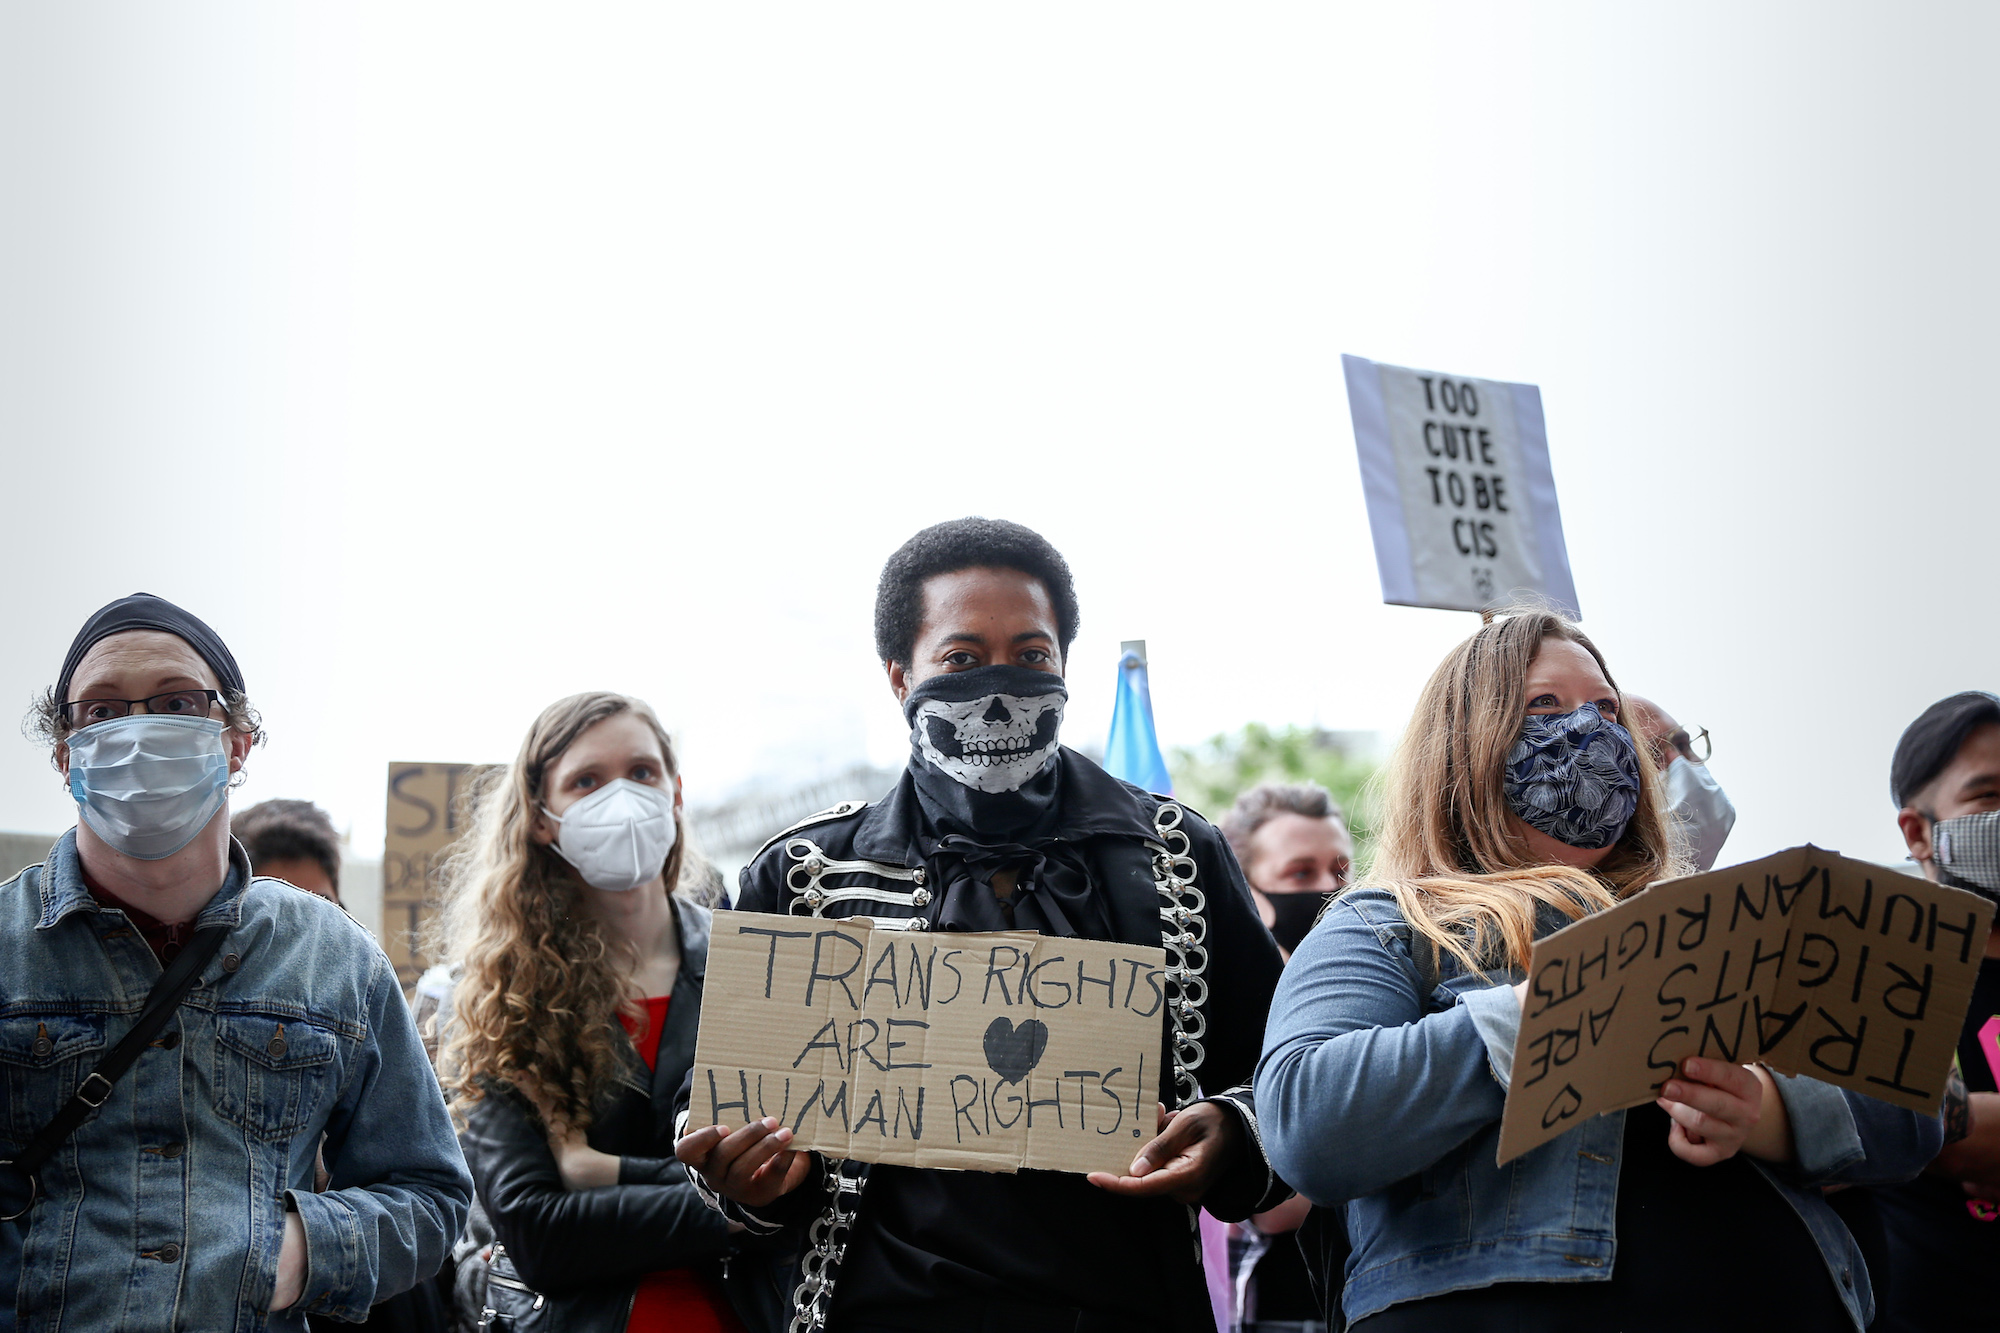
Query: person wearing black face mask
{"type": "Point", "coordinates": [1943, 1228]}
{"type": "Point", "coordinates": [995, 826]}
{"type": "Point", "coordinates": [1296, 852]}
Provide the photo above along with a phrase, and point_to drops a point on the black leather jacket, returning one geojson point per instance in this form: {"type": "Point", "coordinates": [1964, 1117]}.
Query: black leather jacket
{"type": "Point", "coordinates": [860, 859]}
{"type": "Point", "coordinates": [582, 1253]}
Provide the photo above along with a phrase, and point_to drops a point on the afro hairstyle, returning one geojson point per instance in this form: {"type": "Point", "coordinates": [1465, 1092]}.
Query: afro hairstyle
{"type": "Point", "coordinates": [965, 543]}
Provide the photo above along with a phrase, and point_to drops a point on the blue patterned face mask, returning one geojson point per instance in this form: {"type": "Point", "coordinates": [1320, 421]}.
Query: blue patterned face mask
{"type": "Point", "coordinates": [1574, 776]}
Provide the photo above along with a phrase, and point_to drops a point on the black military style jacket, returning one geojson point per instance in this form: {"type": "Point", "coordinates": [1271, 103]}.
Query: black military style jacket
{"type": "Point", "coordinates": [896, 1247]}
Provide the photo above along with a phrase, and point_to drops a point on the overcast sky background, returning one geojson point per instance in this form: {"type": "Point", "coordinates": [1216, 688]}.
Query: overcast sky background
{"type": "Point", "coordinates": [450, 359]}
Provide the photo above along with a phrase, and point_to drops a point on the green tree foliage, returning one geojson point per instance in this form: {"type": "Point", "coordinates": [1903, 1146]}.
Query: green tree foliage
{"type": "Point", "coordinates": [1211, 775]}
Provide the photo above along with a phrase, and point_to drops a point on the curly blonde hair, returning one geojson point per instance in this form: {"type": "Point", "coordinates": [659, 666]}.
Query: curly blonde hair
{"type": "Point", "coordinates": [1447, 849]}
{"type": "Point", "coordinates": [540, 980]}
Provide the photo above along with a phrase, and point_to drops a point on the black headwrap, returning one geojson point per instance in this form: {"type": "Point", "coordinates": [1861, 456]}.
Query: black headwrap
{"type": "Point", "coordinates": [142, 610]}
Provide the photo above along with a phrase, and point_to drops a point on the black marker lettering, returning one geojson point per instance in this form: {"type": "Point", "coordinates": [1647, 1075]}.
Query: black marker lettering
{"type": "Point", "coordinates": [1109, 982]}
{"type": "Point", "coordinates": [1916, 914]}
{"type": "Point", "coordinates": [1828, 908]}
{"type": "Point", "coordinates": [963, 1110]}
{"type": "Point", "coordinates": [1851, 1040]}
{"type": "Point", "coordinates": [1034, 993]}
{"type": "Point", "coordinates": [1965, 933]}
{"type": "Point", "coordinates": [716, 1106]}
{"type": "Point", "coordinates": [904, 1115]}
{"type": "Point", "coordinates": [958, 977]}
{"type": "Point", "coordinates": [1920, 989]}
{"type": "Point", "coordinates": [1831, 965]}
{"type": "Point", "coordinates": [1758, 958]}
{"type": "Point", "coordinates": [1696, 922]}
{"type": "Point", "coordinates": [840, 978]}
{"type": "Point", "coordinates": [875, 977]}
{"type": "Point", "coordinates": [1104, 1086]}
{"type": "Point", "coordinates": [831, 1031]}
{"type": "Point", "coordinates": [771, 962]}
{"type": "Point", "coordinates": [1895, 1080]}
{"type": "Point", "coordinates": [828, 1108]}
{"type": "Point", "coordinates": [995, 972]}
{"type": "Point", "coordinates": [1678, 1001]}
{"type": "Point", "coordinates": [894, 1045]}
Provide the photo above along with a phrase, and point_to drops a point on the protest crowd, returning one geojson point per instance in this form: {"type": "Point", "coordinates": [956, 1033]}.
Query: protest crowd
{"type": "Point", "coordinates": [221, 1112]}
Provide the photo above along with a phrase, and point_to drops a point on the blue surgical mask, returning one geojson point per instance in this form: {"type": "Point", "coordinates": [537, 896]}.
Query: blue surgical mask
{"type": "Point", "coordinates": [1574, 776]}
{"type": "Point", "coordinates": [146, 783]}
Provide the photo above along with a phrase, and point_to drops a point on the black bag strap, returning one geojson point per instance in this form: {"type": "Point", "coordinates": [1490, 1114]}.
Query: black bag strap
{"type": "Point", "coordinates": [161, 1002]}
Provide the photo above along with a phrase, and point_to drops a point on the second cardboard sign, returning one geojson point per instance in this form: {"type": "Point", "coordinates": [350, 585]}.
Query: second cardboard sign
{"type": "Point", "coordinates": [1807, 961]}
{"type": "Point", "coordinates": [986, 1052]}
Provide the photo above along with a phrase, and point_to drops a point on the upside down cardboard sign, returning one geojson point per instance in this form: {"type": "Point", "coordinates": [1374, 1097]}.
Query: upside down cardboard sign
{"type": "Point", "coordinates": [985, 1052]}
{"type": "Point", "coordinates": [1806, 961]}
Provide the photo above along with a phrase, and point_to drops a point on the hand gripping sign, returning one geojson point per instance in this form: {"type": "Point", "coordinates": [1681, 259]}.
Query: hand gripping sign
{"type": "Point", "coordinates": [984, 1052]}
{"type": "Point", "coordinates": [1805, 961]}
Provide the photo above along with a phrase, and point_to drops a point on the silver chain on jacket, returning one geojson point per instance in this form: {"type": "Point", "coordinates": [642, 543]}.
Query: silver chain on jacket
{"type": "Point", "coordinates": [1183, 933]}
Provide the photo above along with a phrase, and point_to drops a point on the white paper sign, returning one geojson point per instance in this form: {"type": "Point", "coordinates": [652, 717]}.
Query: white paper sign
{"type": "Point", "coordinates": [1461, 500]}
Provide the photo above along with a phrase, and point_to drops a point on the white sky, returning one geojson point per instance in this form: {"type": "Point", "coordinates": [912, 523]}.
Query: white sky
{"type": "Point", "coordinates": [449, 359]}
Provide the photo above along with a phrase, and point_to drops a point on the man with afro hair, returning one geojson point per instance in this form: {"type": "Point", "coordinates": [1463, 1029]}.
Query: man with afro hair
{"type": "Point", "coordinates": [994, 825]}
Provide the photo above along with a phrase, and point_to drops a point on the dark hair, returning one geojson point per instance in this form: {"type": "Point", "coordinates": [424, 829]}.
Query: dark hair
{"type": "Point", "coordinates": [1934, 740]}
{"type": "Point", "coordinates": [289, 831]}
{"type": "Point", "coordinates": [1266, 801]}
{"type": "Point", "coordinates": [964, 543]}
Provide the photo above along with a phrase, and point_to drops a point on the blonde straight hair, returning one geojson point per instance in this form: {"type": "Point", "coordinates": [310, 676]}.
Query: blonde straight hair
{"type": "Point", "coordinates": [541, 980]}
{"type": "Point", "coordinates": [1447, 847]}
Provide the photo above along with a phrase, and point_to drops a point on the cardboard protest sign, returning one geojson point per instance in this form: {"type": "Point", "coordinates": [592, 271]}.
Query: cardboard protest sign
{"type": "Point", "coordinates": [428, 811]}
{"type": "Point", "coordinates": [1806, 961]}
{"type": "Point", "coordinates": [982, 1052]}
{"type": "Point", "coordinates": [1461, 501]}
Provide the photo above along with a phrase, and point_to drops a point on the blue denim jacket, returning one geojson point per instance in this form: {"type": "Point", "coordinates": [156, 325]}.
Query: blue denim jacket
{"type": "Point", "coordinates": [166, 1208]}
{"type": "Point", "coordinates": [1370, 1101]}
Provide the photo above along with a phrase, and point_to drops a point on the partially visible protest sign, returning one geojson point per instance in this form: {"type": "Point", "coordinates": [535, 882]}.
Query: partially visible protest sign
{"type": "Point", "coordinates": [428, 810]}
{"type": "Point", "coordinates": [1461, 500]}
{"type": "Point", "coordinates": [1807, 961]}
{"type": "Point", "coordinates": [983, 1052]}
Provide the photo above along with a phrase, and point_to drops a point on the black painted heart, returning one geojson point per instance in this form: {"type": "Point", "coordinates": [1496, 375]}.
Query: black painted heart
{"type": "Point", "coordinates": [1566, 1104]}
{"type": "Point", "coordinates": [1012, 1051]}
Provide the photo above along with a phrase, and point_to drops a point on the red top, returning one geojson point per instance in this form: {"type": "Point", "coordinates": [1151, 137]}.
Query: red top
{"type": "Point", "coordinates": [656, 1024]}
{"type": "Point", "coordinates": [680, 1300]}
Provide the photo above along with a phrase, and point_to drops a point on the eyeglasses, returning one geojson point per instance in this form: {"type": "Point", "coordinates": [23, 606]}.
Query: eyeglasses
{"type": "Point", "coordinates": [1696, 747]}
{"type": "Point", "coordinates": [174, 703]}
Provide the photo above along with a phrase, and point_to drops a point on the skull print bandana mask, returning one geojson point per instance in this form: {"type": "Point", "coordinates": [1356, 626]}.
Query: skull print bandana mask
{"type": "Point", "coordinates": [983, 749]}
{"type": "Point", "coordinates": [1574, 776]}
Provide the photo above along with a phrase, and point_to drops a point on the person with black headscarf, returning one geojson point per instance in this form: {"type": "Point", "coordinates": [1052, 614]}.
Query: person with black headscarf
{"type": "Point", "coordinates": [178, 1036]}
{"type": "Point", "coordinates": [1942, 1230]}
{"type": "Point", "coordinates": [995, 826]}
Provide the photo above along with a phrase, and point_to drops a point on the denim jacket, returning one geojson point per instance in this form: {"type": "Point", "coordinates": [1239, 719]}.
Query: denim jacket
{"type": "Point", "coordinates": [166, 1208]}
{"type": "Point", "coordinates": [1391, 1105]}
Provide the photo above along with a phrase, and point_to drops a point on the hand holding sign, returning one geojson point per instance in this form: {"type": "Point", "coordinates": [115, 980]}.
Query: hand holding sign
{"type": "Point", "coordinates": [1195, 1146]}
{"type": "Point", "coordinates": [1718, 1109]}
{"type": "Point", "coordinates": [754, 1165]}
